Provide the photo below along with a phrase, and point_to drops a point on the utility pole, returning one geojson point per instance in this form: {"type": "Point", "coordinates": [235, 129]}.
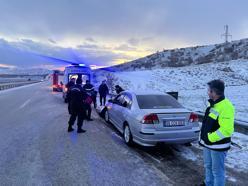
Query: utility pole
{"type": "Point", "coordinates": [226, 34]}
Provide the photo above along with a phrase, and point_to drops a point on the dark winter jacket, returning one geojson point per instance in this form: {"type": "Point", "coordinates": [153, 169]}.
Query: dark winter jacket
{"type": "Point", "coordinates": [103, 90]}
{"type": "Point", "coordinates": [119, 90]}
{"type": "Point", "coordinates": [76, 97]}
{"type": "Point", "coordinates": [70, 84]}
{"type": "Point", "coordinates": [88, 87]}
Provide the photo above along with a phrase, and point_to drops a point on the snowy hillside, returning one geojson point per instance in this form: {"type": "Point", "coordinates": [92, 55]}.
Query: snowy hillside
{"type": "Point", "coordinates": [189, 56]}
{"type": "Point", "coordinates": [190, 82]}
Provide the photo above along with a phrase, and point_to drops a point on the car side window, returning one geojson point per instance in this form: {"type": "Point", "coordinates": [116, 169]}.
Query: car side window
{"type": "Point", "coordinates": [119, 100]}
{"type": "Point", "coordinates": [115, 99]}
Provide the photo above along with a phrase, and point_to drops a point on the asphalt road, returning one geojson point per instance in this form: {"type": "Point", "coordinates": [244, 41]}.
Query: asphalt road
{"type": "Point", "coordinates": [37, 150]}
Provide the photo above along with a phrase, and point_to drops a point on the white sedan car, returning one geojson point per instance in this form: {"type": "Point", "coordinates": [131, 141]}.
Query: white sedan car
{"type": "Point", "coordinates": [149, 118]}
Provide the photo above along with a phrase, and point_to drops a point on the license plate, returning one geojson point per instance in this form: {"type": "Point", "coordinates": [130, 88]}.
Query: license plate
{"type": "Point", "coordinates": [173, 123]}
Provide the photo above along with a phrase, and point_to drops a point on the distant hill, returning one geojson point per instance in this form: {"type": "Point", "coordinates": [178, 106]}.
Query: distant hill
{"type": "Point", "coordinates": [25, 71]}
{"type": "Point", "coordinates": [189, 56]}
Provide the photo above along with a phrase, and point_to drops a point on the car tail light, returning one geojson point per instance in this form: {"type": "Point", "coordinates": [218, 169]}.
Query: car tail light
{"type": "Point", "coordinates": [150, 119]}
{"type": "Point", "coordinates": [193, 117]}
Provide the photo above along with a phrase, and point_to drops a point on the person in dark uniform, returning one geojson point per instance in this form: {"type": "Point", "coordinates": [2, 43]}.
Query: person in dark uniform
{"type": "Point", "coordinates": [103, 91]}
{"type": "Point", "coordinates": [70, 84]}
{"type": "Point", "coordinates": [77, 97]}
{"type": "Point", "coordinates": [89, 88]}
{"type": "Point", "coordinates": [94, 95]}
{"type": "Point", "coordinates": [118, 89]}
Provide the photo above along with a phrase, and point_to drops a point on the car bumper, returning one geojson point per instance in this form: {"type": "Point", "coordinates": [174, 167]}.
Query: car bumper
{"type": "Point", "coordinates": [170, 137]}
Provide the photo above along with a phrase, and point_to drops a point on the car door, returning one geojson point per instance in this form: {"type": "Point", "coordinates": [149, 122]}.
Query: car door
{"type": "Point", "coordinates": [123, 109]}
{"type": "Point", "coordinates": [114, 111]}
{"type": "Point", "coordinates": [118, 111]}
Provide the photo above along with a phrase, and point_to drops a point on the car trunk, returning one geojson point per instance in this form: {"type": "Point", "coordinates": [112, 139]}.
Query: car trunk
{"type": "Point", "coordinates": [171, 119]}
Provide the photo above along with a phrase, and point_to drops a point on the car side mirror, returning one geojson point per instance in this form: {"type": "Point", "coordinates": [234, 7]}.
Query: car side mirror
{"type": "Point", "coordinates": [124, 104]}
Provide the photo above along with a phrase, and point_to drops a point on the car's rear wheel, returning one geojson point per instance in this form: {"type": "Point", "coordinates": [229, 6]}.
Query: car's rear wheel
{"type": "Point", "coordinates": [128, 135]}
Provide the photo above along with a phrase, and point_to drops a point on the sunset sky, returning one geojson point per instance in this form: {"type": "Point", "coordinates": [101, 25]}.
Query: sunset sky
{"type": "Point", "coordinates": [107, 32]}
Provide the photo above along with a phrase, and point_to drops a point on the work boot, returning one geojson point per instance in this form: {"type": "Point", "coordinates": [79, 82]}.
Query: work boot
{"type": "Point", "coordinates": [89, 119]}
{"type": "Point", "coordinates": [70, 129]}
{"type": "Point", "coordinates": [81, 130]}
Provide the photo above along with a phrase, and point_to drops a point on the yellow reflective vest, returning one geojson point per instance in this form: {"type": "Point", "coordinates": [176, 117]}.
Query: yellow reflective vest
{"type": "Point", "coordinates": [218, 125]}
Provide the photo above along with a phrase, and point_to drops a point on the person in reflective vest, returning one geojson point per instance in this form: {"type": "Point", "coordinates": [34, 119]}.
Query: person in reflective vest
{"type": "Point", "coordinates": [217, 129]}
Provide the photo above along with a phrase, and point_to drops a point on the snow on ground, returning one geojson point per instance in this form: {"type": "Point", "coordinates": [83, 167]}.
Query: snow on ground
{"type": "Point", "coordinates": [197, 100]}
{"type": "Point", "coordinates": [191, 83]}
{"type": "Point", "coordinates": [236, 156]}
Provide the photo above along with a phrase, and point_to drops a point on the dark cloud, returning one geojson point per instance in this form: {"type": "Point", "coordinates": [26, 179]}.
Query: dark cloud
{"type": "Point", "coordinates": [88, 46]}
{"type": "Point", "coordinates": [28, 53]}
{"type": "Point", "coordinates": [52, 41]}
{"type": "Point", "coordinates": [90, 39]}
{"type": "Point", "coordinates": [125, 47]}
{"type": "Point", "coordinates": [133, 41]}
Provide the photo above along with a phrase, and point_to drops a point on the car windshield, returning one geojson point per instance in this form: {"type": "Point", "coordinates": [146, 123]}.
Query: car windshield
{"type": "Point", "coordinates": [157, 102]}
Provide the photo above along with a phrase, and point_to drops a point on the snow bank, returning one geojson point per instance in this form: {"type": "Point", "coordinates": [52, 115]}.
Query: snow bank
{"type": "Point", "coordinates": [191, 83]}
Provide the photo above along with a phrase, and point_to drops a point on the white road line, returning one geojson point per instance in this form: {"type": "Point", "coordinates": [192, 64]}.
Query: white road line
{"type": "Point", "coordinates": [152, 157]}
{"type": "Point", "coordinates": [118, 136]}
{"type": "Point", "coordinates": [24, 104]}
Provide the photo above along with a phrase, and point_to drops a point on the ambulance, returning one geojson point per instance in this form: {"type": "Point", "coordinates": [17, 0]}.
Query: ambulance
{"type": "Point", "coordinates": [75, 71]}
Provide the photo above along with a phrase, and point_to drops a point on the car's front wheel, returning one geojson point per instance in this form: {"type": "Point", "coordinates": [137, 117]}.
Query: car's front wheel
{"type": "Point", "coordinates": [106, 116]}
{"type": "Point", "coordinates": [128, 135]}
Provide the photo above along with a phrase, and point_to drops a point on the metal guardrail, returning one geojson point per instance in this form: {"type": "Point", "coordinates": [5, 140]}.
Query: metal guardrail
{"type": "Point", "coordinates": [239, 126]}
{"type": "Point", "coordinates": [16, 84]}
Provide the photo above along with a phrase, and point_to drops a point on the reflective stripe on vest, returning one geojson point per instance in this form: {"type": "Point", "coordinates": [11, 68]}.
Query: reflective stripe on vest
{"type": "Point", "coordinates": [213, 114]}
{"type": "Point", "coordinates": [77, 89]}
{"type": "Point", "coordinates": [219, 146]}
{"type": "Point", "coordinates": [220, 134]}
